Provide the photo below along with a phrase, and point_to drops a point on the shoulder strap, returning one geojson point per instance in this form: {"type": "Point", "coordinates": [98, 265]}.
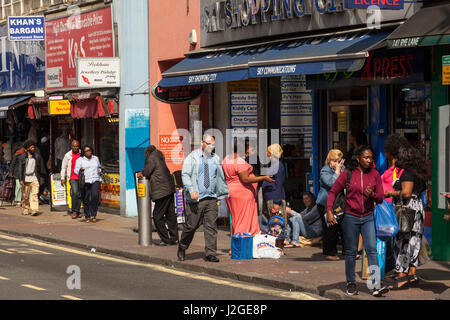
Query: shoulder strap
{"type": "Point", "coordinates": [347, 184]}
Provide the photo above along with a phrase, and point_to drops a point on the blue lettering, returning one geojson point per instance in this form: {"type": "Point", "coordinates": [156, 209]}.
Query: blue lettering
{"type": "Point", "coordinates": [288, 8]}
{"type": "Point", "coordinates": [245, 14]}
{"type": "Point", "coordinates": [299, 8]}
{"type": "Point", "coordinates": [265, 5]}
{"type": "Point", "coordinates": [319, 9]}
{"type": "Point", "coordinates": [276, 9]}
{"type": "Point", "coordinates": [228, 13]}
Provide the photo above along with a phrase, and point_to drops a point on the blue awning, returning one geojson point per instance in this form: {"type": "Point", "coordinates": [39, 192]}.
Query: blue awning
{"type": "Point", "coordinates": [346, 52]}
{"type": "Point", "coordinates": [6, 102]}
{"type": "Point", "coordinates": [207, 68]}
{"type": "Point", "coordinates": [314, 56]}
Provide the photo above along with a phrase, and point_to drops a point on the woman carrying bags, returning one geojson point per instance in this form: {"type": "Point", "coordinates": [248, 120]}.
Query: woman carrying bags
{"type": "Point", "coordinates": [90, 167]}
{"type": "Point", "coordinates": [364, 190]}
{"type": "Point", "coordinates": [407, 190]}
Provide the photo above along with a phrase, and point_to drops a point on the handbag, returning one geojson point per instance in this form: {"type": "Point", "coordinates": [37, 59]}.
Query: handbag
{"type": "Point", "coordinates": [405, 216]}
{"type": "Point", "coordinates": [338, 208]}
{"type": "Point", "coordinates": [81, 179]}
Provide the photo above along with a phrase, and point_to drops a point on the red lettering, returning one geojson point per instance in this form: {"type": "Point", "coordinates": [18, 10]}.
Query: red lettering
{"type": "Point", "coordinates": [395, 2]}
{"type": "Point", "coordinates": [385, 69]}
{"type": "Point", "coordinates": [411, 70]}
{"type": "Point", "coordinates": [376, 67]}
{"type": "Point", "coordinates": [383, 2]}
{"type": "Point", "coordinates": [394, 67]}
{"type": "Point", "coordinates": [366, 73]}
{"type": "Point", "coordinates": [401, 60]}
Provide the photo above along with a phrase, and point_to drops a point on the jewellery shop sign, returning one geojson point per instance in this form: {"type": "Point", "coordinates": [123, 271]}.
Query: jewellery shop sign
{"type": "Point", "coordinates": [98, 72]}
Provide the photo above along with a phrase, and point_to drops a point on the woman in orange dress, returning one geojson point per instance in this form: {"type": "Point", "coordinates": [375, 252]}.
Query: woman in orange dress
{"type": "Point", "coordinates": [242, 184]}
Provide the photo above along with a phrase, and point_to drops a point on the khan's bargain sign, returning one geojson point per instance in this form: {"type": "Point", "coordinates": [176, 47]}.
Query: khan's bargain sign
{"type": "Point", "coordinates": [89, 34]}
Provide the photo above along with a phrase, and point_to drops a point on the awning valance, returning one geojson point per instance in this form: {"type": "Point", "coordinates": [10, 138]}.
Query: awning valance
{"type": "Point", "coordinates": [346, 52]}
{"type": "Point", "coordinates": [429, 26]}
{"type": "Point", "coordinates": [7, 102]}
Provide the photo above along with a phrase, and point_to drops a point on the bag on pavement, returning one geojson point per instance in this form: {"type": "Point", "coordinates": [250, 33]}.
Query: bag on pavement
{"type": "Point", "coordinates": [264, 247]}
{"type": "Point", "coordinates": [425, 251]}
{"type": "Point", "coordinates": [81, 179]}
{"type": "Point", "coordinates": [385, 220]}
{"type": "Point", "coordinates": [242, 246]}
{"type": "Point", "coordinates": [381, 253]}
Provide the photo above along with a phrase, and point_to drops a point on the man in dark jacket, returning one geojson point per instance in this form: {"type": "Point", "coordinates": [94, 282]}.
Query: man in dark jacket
{"type": "Point", "coordinates": [31, 171]}
{"type": "Point", "coordinates": [14, 173]}
{"type": "Point", "coordinates": [162, 189]}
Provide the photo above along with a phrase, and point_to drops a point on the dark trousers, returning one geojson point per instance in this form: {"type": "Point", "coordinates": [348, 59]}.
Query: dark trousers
{"type": "Point", "coordinates": [331, 235]}
{"type": "Point", "coordinates": [90, 194]}
{"type": "Point", "coordinates": [163, 213]}
{"type": "Point", "coordinates": [75, 194]}
{"type": "Point", "coordinates": [206, 211]}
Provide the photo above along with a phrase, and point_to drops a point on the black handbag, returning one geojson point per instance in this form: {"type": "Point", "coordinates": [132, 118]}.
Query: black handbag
{"type": "Point", "coordinates": [405, 216]}
{"type": "Point", "coordinates": [81, 179]}
{"type": "Point", "coordinates": [338, 208]}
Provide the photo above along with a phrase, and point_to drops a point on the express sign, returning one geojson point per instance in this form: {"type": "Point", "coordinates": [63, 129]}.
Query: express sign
{"type": "Point", "coordinates": [86, 35]}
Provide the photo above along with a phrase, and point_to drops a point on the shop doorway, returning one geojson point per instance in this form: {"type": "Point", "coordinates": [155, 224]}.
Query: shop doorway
{"type": "Point", "coordinates": [348, 113]}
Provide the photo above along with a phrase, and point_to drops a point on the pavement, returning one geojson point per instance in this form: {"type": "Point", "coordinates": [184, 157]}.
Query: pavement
{"type": "Point", "coordinates": [300, 269]}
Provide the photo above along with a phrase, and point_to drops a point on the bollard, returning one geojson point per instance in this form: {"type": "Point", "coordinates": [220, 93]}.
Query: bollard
{"type": "Point", "coordinates": [144, 212]}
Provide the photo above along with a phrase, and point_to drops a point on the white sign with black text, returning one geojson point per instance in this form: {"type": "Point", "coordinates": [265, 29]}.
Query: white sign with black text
{"type": "Point", "coordinates": [98, 72]}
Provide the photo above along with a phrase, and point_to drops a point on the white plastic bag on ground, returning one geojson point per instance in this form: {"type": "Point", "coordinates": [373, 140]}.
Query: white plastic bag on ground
{"type": "Point", "coordinates": [264, 247]}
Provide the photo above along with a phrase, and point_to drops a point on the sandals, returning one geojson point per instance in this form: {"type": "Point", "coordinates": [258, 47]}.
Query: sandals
{"type": "Point", "coordinates": [87, 220]}
{"type": "Point", "coordinates": [406, 280]}
{"type": "Point", "coordinates": [94, 219]}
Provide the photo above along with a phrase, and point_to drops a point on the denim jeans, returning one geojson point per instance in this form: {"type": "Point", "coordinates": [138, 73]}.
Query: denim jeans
{"type": "Point", "coordinates": [352, 226]}
{"type": "Point", "coordinates": [300, 228]}
{"type": "Point", "coordinates": [90, 195]}
{"type": "Point", "coordinates": [75, 194]}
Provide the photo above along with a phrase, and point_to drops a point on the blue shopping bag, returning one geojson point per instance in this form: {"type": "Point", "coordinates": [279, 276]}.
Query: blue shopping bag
{"type": "Point", "coordinates": [385, 220]}
{"type": "Point", "coordinates": [381, 254]}
{"type": "Point", "coordinates": [242, 246]}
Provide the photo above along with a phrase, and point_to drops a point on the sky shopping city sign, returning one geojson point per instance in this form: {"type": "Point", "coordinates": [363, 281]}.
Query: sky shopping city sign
{"type": "Point", "coordinates": [29, 28]}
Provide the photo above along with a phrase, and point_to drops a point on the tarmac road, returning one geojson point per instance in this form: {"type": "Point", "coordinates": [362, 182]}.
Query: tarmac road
{"type": "Point", "coordinates": [35, 270]}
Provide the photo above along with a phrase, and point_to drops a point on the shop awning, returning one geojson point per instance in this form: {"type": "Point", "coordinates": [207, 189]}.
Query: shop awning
{"type": "Point", "coordinates": [346, 52]}
{"type": "Point", "coordinates": [314, 56]}
{"type": "Point", "coordinates": [429, 26]}
{"type": "Point", "coordinates": [7, 102]}
{"type": "Point", "coordinates": [207, 68]}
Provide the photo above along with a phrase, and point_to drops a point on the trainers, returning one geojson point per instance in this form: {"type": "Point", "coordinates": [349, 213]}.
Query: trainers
{"type": "Point", "coordinates": [351, 289]}
{"type": "Point", "coordinates": [380, 292]}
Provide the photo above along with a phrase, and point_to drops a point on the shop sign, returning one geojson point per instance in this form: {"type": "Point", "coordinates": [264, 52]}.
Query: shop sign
{"type": "Point", "coordinates": [249, 85]}
{"type": "Point", "coordinates": [98, 72]}
{"type": "Point", "coordinates": [30, 28]}
{"type": "Point", "coordinates": [243, 112]}
{"type": "Point", "coordinates": [22, 66]}
{"type": "Point", "coordinates": [58, 191]}
{"type": "Point", "coordinates": [110, 190]}
{"type": "Point", "coordinates": [223, 21]}
{"type": "Point", "coordinates": [58, 107]}
{"type": "Point", "coordinates": [174, 95]}
{"type": "Point", "coordinates": [171, 147]}
{"type": "Point", "coordinates": [381, 67]}
{"type": "Point", "coordinates": [382, 4]}
{"type": "Point", "coordinates": [88, 34]}
{"type": "Point", "coordinates": [446, 70]}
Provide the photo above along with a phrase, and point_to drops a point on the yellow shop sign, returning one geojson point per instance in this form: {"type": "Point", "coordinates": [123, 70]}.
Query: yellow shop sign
{"type": "Point", "coordinates": [57, 107]}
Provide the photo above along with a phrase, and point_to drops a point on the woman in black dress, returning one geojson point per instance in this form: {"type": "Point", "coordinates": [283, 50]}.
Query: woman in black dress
{"type": "Point", "coordinates": [410, 185]}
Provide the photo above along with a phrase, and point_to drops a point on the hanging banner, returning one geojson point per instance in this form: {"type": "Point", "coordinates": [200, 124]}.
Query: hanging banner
{"type": "Point", "coordinates": [88, 35]}
{"type": "Point", "coordinates": [22, 64]}
{"type": "Point", "coordinates": [58, 107]}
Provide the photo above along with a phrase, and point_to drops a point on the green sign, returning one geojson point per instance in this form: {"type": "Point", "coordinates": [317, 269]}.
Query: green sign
{"type": "Point", "coordinates": [418, 41]}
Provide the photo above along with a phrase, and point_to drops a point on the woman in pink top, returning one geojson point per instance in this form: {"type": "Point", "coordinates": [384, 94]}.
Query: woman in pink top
{"type": "Point", "coordinates": [392, 144]}
{"type": "Point", "coordinates": [242, 184]}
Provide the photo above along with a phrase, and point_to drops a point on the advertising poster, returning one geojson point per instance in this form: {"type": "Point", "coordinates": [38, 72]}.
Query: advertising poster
{"type": "Point", "coordinates": [89, 34]}
{"type": "Point", "coordinates": [296, 115]}
{"type": "Point", "coordinates": [110, 190]}
{"type": "Point", "coordinates": [58, 191]}
{"type": "Point", "coordinates": [244, 114]}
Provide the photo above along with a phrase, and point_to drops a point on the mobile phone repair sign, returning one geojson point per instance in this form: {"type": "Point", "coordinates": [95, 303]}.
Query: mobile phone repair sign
{"type": "Point", "coordinates": [26, 28]}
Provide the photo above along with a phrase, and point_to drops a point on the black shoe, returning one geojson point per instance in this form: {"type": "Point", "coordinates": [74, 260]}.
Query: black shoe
{"type": "Point", "coordinates": [181, 253]}
{"type": "Point", "coordinates": [161, 244]}
{"type": "Point", "coordinates": [173, 243]}
{"type": "Point", "coordinates": [351, 289]}
{"type": "Point", "coordinates": [212, 259]}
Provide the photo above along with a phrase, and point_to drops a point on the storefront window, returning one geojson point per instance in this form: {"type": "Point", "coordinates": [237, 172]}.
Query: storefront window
{"type": "Point", "coordinates": [413, 119]}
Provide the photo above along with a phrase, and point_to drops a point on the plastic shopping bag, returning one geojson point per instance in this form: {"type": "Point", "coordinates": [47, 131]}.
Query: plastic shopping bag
{"type": "Point", "coordinates": [385, 220]}
{"type": "Point", "coordinates": [264, 247]}
{"type": "Point", "coordinates": [242, 246]}
{"type": "Point", "coordinates": [381, 253]}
